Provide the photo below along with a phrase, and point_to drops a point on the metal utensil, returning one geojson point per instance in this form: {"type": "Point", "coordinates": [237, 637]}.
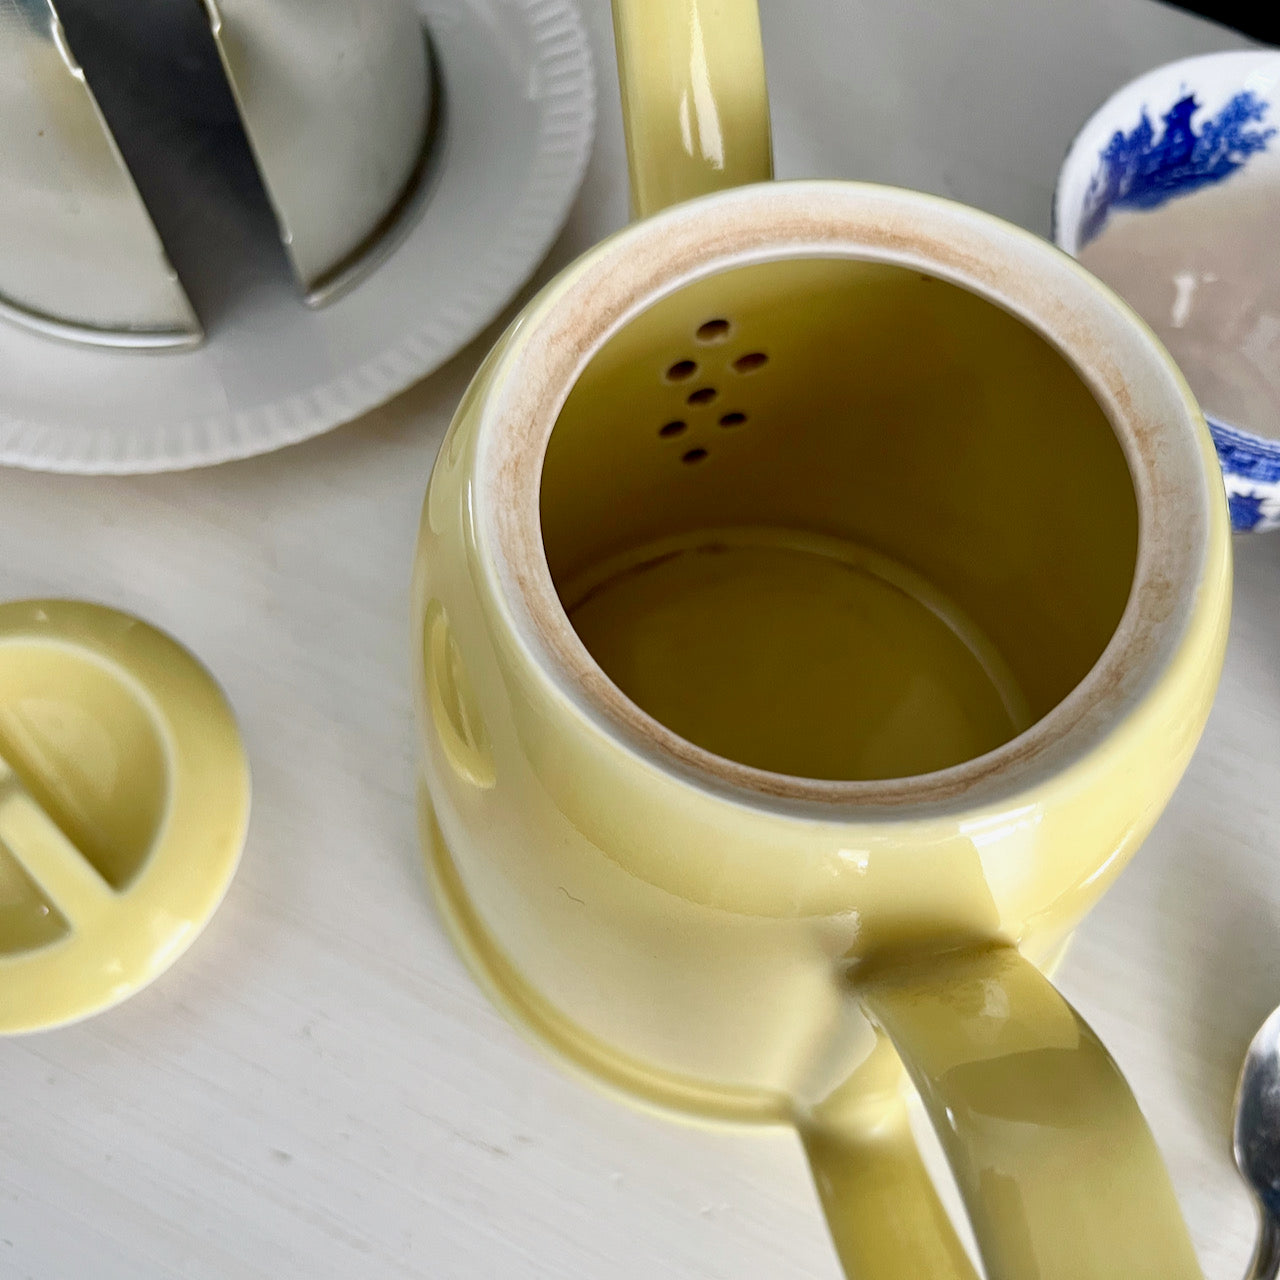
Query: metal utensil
{"type": "Point", "coordinates": [334, 98]}
{"type": "Point", "coordinates": [1257, 1141]}
{"type": "Point", "coordinates": [81, 256]}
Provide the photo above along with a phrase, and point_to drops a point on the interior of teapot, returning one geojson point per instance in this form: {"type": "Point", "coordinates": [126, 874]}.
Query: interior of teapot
{"type": "Point", "coordinates": [838, 519]}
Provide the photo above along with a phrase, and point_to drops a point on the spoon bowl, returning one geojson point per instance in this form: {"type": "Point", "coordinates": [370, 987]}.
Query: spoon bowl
{"type": "Point", "coordinates": [1256, 1141]}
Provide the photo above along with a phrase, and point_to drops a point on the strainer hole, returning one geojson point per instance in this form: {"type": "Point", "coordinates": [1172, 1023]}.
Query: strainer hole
{"type": "Point", "coordinates": [713, 331]}
{"type": "Point", "coordinates": [752, 361]}
{"type": "Point", "coordinates": [733, 419]}
{"type": "Point", "coordinates": [681, 370]}
{"type": "Point", "coordinates": [672, 429]}
{"type": "Point", "coordinates": [694, 455]}
{"type": "Point", "coordinates": [703, 395]}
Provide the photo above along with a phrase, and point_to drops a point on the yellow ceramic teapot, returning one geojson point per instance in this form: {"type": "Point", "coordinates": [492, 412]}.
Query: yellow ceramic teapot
{"type": "Point", "coordinates": [820, 592]}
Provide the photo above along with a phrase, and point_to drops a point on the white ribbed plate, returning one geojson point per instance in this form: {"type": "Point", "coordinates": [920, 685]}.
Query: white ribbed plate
{"type": "Point", "coordinates": [520, 108]}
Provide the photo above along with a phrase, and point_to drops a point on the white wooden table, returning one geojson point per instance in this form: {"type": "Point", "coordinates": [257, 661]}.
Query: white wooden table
{"type": "Point", "coordinates": [317, 1089]}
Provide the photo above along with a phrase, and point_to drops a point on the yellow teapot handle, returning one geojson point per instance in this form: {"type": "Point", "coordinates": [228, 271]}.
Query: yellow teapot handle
{"type": "Point", "coordinates": [694, 102]}
{"type": "Point", "coordinates": [1059, 1173]}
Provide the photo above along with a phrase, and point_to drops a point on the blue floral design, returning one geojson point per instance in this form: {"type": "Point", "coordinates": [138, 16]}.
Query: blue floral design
{"type": "Point", "coordinates": [1140, 169]}
{"type": "Point", "coordinates": [1249, 457]}
{"type": "Point", "coordinates": [1246, 510]}
{"type": "Point", "coordinates": [1251, 466]}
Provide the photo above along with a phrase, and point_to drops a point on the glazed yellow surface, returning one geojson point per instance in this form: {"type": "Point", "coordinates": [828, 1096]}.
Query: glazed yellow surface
{"type": "Point", "coordinates": [124, 799]}
{"type": "Point", "coordinates": [831, 515]}
{"type": "Point", "coordinates": [798, 654]}
{"type": "Point", "coordinates": [699, 953]}
{"type": "Point", "coordinates": [895, 412]}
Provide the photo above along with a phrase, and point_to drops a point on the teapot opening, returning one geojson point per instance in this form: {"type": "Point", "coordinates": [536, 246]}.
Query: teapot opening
{"type": "Point", "coordinates": [838, 519]}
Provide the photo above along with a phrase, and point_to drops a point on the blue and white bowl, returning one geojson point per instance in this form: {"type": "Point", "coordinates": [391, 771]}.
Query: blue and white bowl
{"type": "Point", "coordinates": [1192, 131]}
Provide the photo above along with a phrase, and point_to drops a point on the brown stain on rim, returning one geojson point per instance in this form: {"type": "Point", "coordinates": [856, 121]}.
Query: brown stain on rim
{"type": "Point", "coordinates": [698, 243]}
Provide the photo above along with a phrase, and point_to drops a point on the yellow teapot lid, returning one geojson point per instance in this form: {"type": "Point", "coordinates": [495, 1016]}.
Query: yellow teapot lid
{"type": "Point", "coordinates": [124, 801]}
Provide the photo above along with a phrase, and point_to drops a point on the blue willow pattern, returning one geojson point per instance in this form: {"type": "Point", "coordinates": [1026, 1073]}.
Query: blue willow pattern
{"type": "Point", "coordinates": [1142, 169]}
{"type": "Point", "coordinates": [1252, 470]}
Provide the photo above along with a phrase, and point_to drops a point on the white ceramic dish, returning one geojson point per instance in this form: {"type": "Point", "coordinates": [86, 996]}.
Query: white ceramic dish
{"type": "Point", "coordinates": [519, 116]}
{"type": "Point", "coordinates": [1187, 158]}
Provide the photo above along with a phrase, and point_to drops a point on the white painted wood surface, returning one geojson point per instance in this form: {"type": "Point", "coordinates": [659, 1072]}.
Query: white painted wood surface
{"type": "Point", "coordinates": [317, 1089]}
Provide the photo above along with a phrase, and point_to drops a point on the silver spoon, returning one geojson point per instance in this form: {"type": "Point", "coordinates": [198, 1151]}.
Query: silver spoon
{"type": "Point", "coordinates": [1257, 1141]}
